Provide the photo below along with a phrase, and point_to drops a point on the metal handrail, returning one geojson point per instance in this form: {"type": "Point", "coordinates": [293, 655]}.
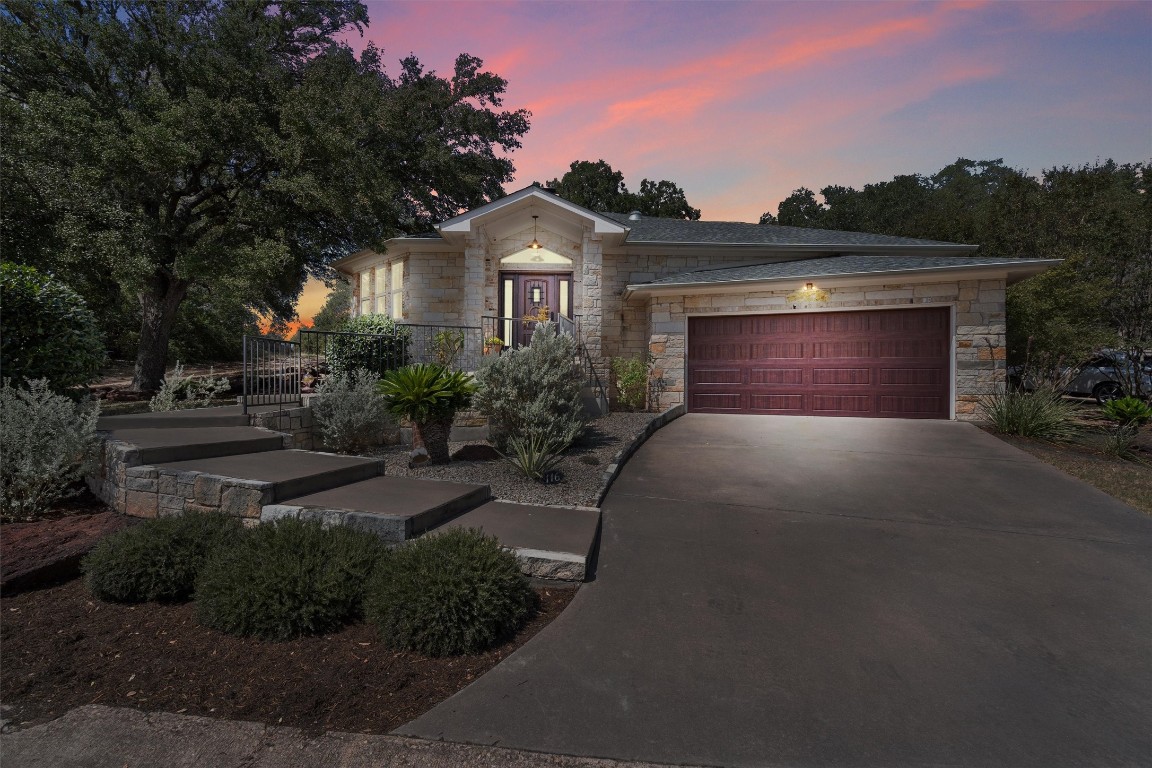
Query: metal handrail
{"type": "Point", "coordinates": [271, 372]}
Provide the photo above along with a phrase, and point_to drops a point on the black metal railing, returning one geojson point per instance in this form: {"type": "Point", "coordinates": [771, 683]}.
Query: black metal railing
{"type": "Point", "coordinates": [323, 352]}
{"type": "Point", "coordinates": [271, 372]}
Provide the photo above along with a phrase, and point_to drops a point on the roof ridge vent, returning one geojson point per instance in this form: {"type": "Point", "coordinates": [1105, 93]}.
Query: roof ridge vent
{"type": "Point", "coordinates": [634, 216]}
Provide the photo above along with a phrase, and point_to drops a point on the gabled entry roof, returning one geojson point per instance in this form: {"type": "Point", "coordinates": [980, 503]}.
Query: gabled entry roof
{"type": "Point", "coordinates": [508, 215]}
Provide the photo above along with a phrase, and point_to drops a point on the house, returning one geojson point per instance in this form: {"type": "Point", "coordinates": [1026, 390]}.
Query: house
{"type": "Point", "coordinates": [738, 318]}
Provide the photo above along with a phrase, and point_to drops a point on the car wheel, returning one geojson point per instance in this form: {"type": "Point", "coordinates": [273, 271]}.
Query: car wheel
{"type": "Point", "coordinates": [1107, 392]}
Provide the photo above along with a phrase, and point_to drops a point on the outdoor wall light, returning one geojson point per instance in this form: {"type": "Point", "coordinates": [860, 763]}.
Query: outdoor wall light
{"type": "Point", "coordinates": [808, 286]}
{"type": "Point", "coordinates": [535, 244]}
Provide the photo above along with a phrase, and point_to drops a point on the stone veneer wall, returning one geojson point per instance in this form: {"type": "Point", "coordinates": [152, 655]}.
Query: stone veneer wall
{"type": "Point", "coordinates": [139, 490]}
{"type": "Point", "coordinates": [295, 423]}
{"type": "Point", "coordinates": [979, 332]}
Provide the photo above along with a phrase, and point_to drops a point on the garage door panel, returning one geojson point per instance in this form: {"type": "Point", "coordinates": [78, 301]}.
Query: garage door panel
{"type": "Point", "coordinates": [717, 376]}
{"type": "Point", "coordinates": [841, 376]}
{"type": "Point", "coordinates": [842, 403]}
{"type": "Point", "coordinates": [715, 401]}
{"type": "Point", "coordinates": [783, 376]}
{"type": "Point", "coordinates": [764, 403]}
{"type": "Point", "coordinates": [842, 350]}
{"type": "Point", "coordinates": [879, 363]}
{"type": "Point", "coordinates": [777, 350]}
{"type": "Point", "coordinates": [915, 377]}
{"type": "Point", "coordinates": [903, 405]}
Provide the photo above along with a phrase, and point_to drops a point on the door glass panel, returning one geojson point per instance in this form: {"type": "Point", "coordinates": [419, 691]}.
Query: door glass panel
{"type": "Point", "coordinates": [564, 308]}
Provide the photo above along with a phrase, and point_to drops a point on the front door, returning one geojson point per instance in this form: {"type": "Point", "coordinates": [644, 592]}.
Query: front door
{"type": "Point", "coordinates": [526, 294]}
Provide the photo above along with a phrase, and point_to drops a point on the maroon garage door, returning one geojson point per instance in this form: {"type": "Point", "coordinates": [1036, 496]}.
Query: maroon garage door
{"type": "Point", "coordinates": [892, 362]}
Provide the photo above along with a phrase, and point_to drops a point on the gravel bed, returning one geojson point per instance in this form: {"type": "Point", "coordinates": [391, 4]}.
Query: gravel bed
{"type": "Point", "coordinates": [582, 467]}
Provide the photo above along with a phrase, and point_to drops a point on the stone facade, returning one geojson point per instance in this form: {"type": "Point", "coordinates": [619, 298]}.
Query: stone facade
{"type": "Point", "coordinates": [138, 490]}
{"type": "Point", "coordinates": [979, 332]}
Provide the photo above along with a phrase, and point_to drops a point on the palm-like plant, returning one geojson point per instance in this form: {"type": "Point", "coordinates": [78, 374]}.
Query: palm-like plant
{"type": "Point", "coordinates": [429, 396]}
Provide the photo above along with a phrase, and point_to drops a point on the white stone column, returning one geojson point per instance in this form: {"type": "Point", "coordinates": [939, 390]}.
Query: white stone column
{"type": "Point", "coordinates": [592, 320]}
{"type": "Point", "coordinates": [475, 279]}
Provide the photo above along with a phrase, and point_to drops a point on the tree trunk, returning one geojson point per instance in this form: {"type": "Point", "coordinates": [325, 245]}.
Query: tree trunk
{"type": "Point", "coordinates": [159, 301]}
{"type": "Point", "coordinates": [435, 434]}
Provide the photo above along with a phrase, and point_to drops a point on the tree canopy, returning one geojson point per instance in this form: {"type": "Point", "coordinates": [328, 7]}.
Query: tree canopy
{"type": "Point", "coordinates": [1097, 217]}
{"type": "Point", "coordinates": [596, 186]}
{"type": "Point", "coordinates": [154, 150]}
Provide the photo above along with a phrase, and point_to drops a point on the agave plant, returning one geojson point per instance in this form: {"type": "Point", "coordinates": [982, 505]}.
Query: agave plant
{"type": "Point", "coordinates": [429, 396]}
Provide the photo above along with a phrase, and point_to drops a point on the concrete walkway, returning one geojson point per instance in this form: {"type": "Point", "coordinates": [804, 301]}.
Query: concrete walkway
{"type": "Point", "coordinates": [791, 591]}
{"type": "Point", "coordinates": [107, 737]}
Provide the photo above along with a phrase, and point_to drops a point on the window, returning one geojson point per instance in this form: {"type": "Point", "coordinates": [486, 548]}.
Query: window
{"type": "Point", "coordinates": [365, 292]}
{"type": "Point", "coordinates": [381, 290]}
{"type": "Point", "coordinates": [397, 290]}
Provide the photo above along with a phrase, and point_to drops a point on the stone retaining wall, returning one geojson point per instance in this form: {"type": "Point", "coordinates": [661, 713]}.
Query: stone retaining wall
{"type": "Point", "coordinates": [297, 423]}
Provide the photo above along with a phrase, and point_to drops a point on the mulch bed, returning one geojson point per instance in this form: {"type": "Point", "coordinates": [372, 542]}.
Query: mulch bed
{"type": "Point", "coordinates": [63, 649]}
{"type": "Point", "coordinates": [48, 550]}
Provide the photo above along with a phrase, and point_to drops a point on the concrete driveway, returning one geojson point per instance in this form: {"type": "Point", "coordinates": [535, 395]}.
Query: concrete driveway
{"type": "Point", "coordinates": [791, 591]}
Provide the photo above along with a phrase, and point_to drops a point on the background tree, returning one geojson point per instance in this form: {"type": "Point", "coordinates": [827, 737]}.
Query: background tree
{"type": "Point", "coordinates": [1096, 217]}
{"type": "Point", "coordinates": [173, 147]}
{"type": "Point", "coordinates": [596, 186]}
{"type": "Point", "coordinates": [337, 307]}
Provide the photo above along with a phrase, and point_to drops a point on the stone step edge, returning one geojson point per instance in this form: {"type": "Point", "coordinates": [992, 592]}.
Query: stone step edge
{"type": "Point", "coordinates": [390, 528]}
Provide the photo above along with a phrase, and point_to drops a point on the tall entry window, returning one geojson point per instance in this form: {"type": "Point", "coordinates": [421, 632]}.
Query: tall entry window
{"type": "Point", "coordinates": [398, 290]}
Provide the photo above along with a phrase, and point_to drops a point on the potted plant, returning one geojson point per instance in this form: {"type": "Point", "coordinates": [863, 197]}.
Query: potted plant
{"type": "Point", "coordinates": [493, 344]}
{"type": "Point", "coordinates": [429, 396]}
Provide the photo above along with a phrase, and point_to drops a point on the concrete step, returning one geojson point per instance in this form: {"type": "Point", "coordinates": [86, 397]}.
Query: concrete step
{"type": "Point", "coordinates": [292, 473]}
{"type": "Point", "coordinates": [157, 446]}
{"type": "Point", "coordinates": [221, 416]}
{"type": "Point", "coordinates": [551, 542]}
{"type": "Point", "coordinates": [394, 508]}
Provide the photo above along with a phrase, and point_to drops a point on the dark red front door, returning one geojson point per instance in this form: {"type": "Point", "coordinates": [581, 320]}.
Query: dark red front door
{"type": "Point", "coordinates": [893, 363]}
{"type": "Point", "coordinates": [527, 295]}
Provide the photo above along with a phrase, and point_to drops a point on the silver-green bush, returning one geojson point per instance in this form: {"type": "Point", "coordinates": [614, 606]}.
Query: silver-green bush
{"type": "Point", "coordinates": [178, 391]}
{"type": "Point", "coordinates": [533, 392]}
{"type": "Point", "coordinates": [349, 412]}
{"type": "Point", "coordinates": [49, 443]}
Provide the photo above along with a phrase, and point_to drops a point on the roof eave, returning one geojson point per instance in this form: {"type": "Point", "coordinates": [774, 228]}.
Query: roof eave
{"type": "Point", "coordinates": [933, 248]}
{"type": "Point", "coordinates": [1017, 270]}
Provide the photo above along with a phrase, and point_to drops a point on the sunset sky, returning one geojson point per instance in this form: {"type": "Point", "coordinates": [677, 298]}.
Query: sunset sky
{"type": "Point", "coordinates": [742, 102]}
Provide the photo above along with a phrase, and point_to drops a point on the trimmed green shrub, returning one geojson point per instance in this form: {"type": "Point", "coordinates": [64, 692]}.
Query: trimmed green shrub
{"type": "Point", "coordinates": [372, 342]}
{"type": "Point", "coordinates": [287, 579]}
{"type": "Point", "coordinates": [1128, 411]}
{"type": "Point", "coordinates": [49, 332]}
{"type": "Point", "coordinates": [1042, 414]}
{"type": "Point", "coordinates": [49, 442]}
{"type": "Point", "coordinates": [158, 559]}
{"type": "Point", "coordinates": [350, 414]}
{"type": "Point", "coordinates": [449, 593]}
{"type": "Point", "coordinates": [631, 375]}
{"type": "Point", "coordinates": [533, 392]}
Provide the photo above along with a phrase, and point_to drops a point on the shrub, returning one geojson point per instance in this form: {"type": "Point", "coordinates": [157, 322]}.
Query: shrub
{"type": "Point", "coordinates": [446, 345]}
{"type": "Point", "coordinates": [49, 442]}
{"type": "Point", "coordinates": [533, 391]}
{"type": "Point", "coordinates": [429, 396]}
{"type": "Point", "coordinates": [157, 559]}
{"type": "Point", "coordinates": [370, 342]}
{"type": "Point", "coordinates": [631, 374]}
{"type": "Point", "coordinates": [178, 392]}
{"type": "Point", "coordinates": [349, 412]}
{"type": "Point", "coordinates": [449, 593]}
{"type": "Point", "coordinates": [1128, 411]}
{"type": "Point", "coordinates": [1042, 413]}
{"type": "Point", "coordinates": [49, 332]}
{"type": "Point", "coordinates": [535, 455]}
{"type": "Point", "coordinates": [286, 579]}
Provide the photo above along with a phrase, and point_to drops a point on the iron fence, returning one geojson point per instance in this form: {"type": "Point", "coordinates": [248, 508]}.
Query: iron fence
{"type": "Point", "coordinates": [271, 372]}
